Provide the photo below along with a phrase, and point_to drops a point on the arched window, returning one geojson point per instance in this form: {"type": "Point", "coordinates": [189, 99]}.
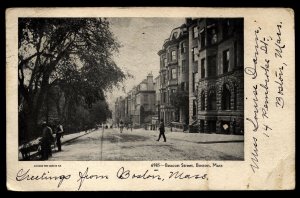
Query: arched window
{"type": "Point", "coordinates": [211, 100]}
{"type": "Point", "coordinates": [202, 101]}
{"type": "Point", "coordinates": [226, 97]}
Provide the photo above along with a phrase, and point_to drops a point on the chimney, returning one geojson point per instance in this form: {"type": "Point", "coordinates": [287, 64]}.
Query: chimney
{"type": "Point", "coordinates": [150, 84]}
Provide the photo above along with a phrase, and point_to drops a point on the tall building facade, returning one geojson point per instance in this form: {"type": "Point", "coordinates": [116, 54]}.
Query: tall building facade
{"type": "Point", "coordinates": [193, 67]}
{"type": "Point", "coordinates": [205, 57]}
{"type": "Point", "coordinates": [157, 97]}
{"type": "Point", "coordinates": [174, 74]}
{"type": "Point", "coordinates": [219, 87]}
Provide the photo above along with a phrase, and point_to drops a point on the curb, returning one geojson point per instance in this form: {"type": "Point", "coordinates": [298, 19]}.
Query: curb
{"type": "Point", "coordinates": [76, 137]}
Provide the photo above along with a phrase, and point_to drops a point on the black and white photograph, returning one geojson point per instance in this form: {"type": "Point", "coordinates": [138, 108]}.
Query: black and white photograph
{"type": "Point", "coordinates": [130, 89]}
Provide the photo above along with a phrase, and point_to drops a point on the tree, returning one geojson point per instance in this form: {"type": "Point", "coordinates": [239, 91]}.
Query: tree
{"type": "Point", "coordinates": [100, 112]}
{"type": "Point", "coordinates": [72, 53]}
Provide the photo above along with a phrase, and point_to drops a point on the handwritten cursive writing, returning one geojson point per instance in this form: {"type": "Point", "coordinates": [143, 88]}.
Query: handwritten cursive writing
{"type": "Point", "coordinates": [252, 70]}
{"type": "Point", "coordinates": [84, 176]}
{"type": "Point", "coordinates": [265, 86]}
{"type": "Point", "coordinates": [278, 43]}
{"type": "Point", "coordinates": [254, 159]}
{"type": "Point", "coordinates": [24, 175]}
{"type": "Point", "coordinates": [126, 174]}
{"type": "Point", "coordinates": [279, 81]}
{"type": "Point", "coordinates": [254, 121]}
{"type": "Point", "coordinates": [182, 175]}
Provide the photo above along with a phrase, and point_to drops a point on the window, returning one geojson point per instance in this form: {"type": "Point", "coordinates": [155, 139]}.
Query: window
{"type": "Point", "coordinates": [225, 61]}
{"type": "Point", "coordinates": [145, 98]}
{"type": "Point", "coordinates": [184, 67]}
{"type": "Point", "coordinates": [175, 35]}
{"type": "Point", "coordinates": [195, 32]}
{"type": "Point", "coordinates": [183, 49]}
{"type": "Point", "coordinates": [165, 62]}
{"type": "Point", "coordinates": [212, 66]}
{"type": "Point", "coordinates": [182, 85]}
{"type": "Point", "coordinates": [202, 38]}
{"type": "Point", "coordinates": [167, 75]}
{"type": "Point", "coordinates": [195, 54]}
{"type": "Point", "coordinates": [174, 74]}
{"type": "Point", "coordinates": [226, 97]}
{"type": "Point", "coordinates": [174, 55]}
{"type": "Point", "coordinates": [164, 97]}
{"type": "Point", "coordinates": [212, 36]}
{"type": "Point", "coordinates": [203, 68]}
{"type": "Point", "coordinates": [163, 78]}
{"type": "Point", "coordinates": [202, 101]}
{"type": "Point", "coordinates": [194, 80]}
{"type": "Point", "coordinates": [211, 100]}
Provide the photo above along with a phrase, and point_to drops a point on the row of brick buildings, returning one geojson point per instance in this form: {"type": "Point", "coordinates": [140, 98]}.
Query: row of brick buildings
{"type": "Point", "coordinates": [200, 83]}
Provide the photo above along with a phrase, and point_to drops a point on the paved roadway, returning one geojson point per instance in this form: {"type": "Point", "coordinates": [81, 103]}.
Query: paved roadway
{"type": "Point", "coordinates": [141, 145]}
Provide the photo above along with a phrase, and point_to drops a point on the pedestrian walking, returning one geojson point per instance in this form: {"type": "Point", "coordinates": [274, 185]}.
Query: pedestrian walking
{"type": "Point", "coordinates": [59, 135]}
{"type": "Point", "coordinates": [162, 130]}
{"type": "Point", "coordinates": [46, 141]}
{"type": "Point", "coordinates": [121, 126]}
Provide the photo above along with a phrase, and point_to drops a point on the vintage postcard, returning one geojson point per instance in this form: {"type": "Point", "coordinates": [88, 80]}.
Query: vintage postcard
{"type": "Point", "coordinates": [150, 99]}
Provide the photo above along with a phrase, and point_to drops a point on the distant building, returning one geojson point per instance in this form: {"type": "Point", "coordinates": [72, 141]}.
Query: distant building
{"type": "Point", "coordinates": [138, 106]}
{"type": "Point", "coordinates": [119, 110]}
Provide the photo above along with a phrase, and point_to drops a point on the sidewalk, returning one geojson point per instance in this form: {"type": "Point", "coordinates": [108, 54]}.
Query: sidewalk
{"type": "Point", "coordinates": [65, 139]}
{"type": "Point", "coordinates": [201, 138]}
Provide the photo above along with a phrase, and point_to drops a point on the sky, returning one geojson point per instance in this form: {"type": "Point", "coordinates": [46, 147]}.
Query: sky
{"type": "Point", "coordinates": [141, 39]}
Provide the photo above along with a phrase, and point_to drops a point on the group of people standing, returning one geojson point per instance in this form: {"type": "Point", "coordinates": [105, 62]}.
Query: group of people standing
{"type": "Point", "coordinates": [122, 125]}
{"type": "Point", "coordinates": [48, 138]}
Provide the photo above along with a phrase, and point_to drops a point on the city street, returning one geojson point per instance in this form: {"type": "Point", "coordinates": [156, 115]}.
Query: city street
{"type": "Point", "coordinates": [141, 145]}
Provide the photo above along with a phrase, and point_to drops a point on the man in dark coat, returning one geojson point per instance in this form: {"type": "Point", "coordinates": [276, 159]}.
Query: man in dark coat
{"type": "Point", "coordinates": [46, 141]}
{"type": "Point", "coordinates": [162, 130]}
